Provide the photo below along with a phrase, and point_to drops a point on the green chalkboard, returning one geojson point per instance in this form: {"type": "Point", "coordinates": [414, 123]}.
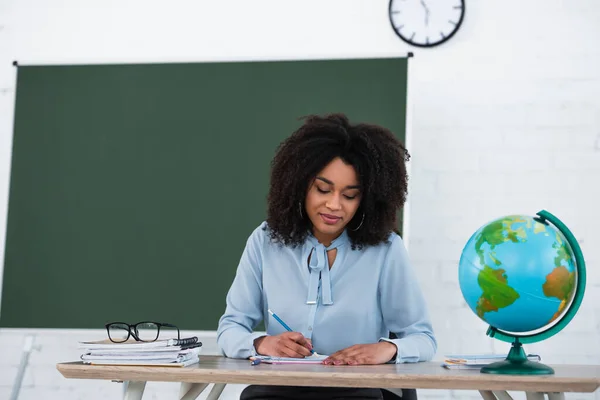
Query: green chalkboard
{"type": "Point", "coordinates": [134, 187]}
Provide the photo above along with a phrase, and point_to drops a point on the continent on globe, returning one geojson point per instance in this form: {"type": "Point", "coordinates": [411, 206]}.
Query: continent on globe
{"type": "Point", "coordinates": [563, 253]}
{"type": "Point", "coordinates": [560, 283]}
{"type": "Point", "coordinates": [498, 232]}
{"type": "Point", "coordinates": [496, 291]}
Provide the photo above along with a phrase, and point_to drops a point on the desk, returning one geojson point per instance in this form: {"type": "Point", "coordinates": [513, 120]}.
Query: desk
{"type": "Point", "coordinates": [428, 375]}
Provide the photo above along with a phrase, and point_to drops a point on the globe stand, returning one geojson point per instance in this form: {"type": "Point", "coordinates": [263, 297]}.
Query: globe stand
{"type": "Point", "coordinates": [516, 363]}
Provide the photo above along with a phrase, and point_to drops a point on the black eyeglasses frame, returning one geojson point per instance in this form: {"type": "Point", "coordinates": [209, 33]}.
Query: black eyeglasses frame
{"type": "Point", "coordinates": [133, 332]}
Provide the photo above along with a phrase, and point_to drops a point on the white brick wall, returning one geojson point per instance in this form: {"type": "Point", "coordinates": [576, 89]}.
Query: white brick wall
{"type": "Point", "coordinates": [506, 119]}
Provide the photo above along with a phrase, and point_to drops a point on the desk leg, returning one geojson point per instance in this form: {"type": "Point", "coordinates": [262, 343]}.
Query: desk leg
{"type": "Point", "coordinates": [189, 391]}
{"type": "Point", "coordinates": [487, 395]}
{"type": "Point", "coordinates": [556, 396]}
{"type": "Point", "coordinates": [216, 391]}
{"type": "Point", "coordinates": [534, 395]}
{"type": "Point", "coordinates": [134, 390]}
{"type": "Point", "coordinates": [495, 395]}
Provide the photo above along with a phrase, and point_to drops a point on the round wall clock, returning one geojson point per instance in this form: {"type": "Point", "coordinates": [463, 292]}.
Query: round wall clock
{"type": "Point", "coordinates": [426, 23]}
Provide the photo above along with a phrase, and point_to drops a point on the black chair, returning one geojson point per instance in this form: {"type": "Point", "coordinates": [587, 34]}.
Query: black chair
{"type": "Point", "coordinates": [407, 394]}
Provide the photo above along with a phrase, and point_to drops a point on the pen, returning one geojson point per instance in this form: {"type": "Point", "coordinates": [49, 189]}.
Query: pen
{"type": "Point", "coordinates": [284, 324]}
{"type": "Point", "coordinates": [256, 361]}
{"type": "Point", "coordinates": [280, 321]}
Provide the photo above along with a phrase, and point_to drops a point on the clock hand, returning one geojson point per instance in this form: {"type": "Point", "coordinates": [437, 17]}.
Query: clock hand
{"type": "Point", "coordinates": [426, 12]}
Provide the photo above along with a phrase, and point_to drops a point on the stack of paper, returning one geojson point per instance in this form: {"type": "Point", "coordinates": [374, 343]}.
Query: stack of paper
{"type": "Point", "coordinates": [159, 353]}
{"type": "Point", "coordinates": [313, 359]}
{"type": "Point", "coordinates": [476, 361]}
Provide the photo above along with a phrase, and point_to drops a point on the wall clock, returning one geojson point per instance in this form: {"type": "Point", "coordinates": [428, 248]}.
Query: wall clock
{"type": "Point", "coordinates": [426, 23]}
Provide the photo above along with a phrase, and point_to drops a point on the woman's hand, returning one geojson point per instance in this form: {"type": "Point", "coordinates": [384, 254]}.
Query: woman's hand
{"type": "Point", "coordinates": [287, 344]}
{"type": "Point", "coordinates": [363, 354]}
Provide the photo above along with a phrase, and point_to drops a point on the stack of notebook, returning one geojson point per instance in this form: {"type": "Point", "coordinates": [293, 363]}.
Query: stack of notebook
{"type": "Point", "coordinates": [169, 353]}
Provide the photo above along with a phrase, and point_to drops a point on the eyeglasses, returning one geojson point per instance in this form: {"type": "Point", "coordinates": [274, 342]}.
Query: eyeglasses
{"type": "Point", "coordinates": [146, 331]}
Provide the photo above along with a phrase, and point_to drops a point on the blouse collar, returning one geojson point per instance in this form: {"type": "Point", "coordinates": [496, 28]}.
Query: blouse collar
{"type": "Point", "coordinates": [319, 267]}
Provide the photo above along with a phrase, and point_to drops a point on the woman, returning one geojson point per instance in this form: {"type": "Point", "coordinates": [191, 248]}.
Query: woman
{"type": "Point", "coordinates": [328, 260]}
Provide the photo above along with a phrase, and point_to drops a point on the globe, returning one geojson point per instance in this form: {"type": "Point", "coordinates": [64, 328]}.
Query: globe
{"type": "Point", "coordinates": [525, 277]}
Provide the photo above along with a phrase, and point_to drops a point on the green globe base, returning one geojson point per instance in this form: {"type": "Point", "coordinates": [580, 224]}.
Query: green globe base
{"type": "Point", "coordinates": [516, 363]}
{"type": "Point", "coordinates": [507, 367]}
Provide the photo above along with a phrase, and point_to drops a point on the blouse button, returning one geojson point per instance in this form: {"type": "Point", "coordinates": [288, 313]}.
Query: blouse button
{"type": "Point", "coordinates": [310, 328]}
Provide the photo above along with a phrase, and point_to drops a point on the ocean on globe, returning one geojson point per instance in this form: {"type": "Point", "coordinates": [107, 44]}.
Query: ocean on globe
{"type": "Point", "coordinates": [518, 274]}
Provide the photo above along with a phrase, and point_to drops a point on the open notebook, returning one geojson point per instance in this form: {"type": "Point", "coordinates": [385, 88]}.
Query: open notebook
{"type": "Point", "coordinates": [313, 359]}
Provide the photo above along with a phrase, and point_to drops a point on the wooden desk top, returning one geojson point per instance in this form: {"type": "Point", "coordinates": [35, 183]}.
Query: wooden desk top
{"type": "Point", "coordinates": [429, 375]}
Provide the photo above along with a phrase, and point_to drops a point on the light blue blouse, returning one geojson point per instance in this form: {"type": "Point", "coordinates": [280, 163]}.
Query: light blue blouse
{"type": "Point", "coordinates": [365, 295]}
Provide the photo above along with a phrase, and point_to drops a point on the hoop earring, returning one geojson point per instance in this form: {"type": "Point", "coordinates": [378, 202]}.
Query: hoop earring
{"type": "Point", "coordinates": [361, 222]}
{"type": "Point", "coordinates": [300, 209]}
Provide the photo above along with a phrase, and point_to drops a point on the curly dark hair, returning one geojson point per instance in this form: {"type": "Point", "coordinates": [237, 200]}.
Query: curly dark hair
{"type": "Point", "coordinates": [375, 153]}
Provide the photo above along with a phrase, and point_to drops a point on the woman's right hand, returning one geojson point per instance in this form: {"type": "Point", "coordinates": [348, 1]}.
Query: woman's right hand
{"type": "Point", "coordinates": [287, 344]}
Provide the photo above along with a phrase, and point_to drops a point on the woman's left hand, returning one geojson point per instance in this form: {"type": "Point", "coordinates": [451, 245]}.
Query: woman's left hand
{"type": "Point", "coordinates": [363, 354]}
